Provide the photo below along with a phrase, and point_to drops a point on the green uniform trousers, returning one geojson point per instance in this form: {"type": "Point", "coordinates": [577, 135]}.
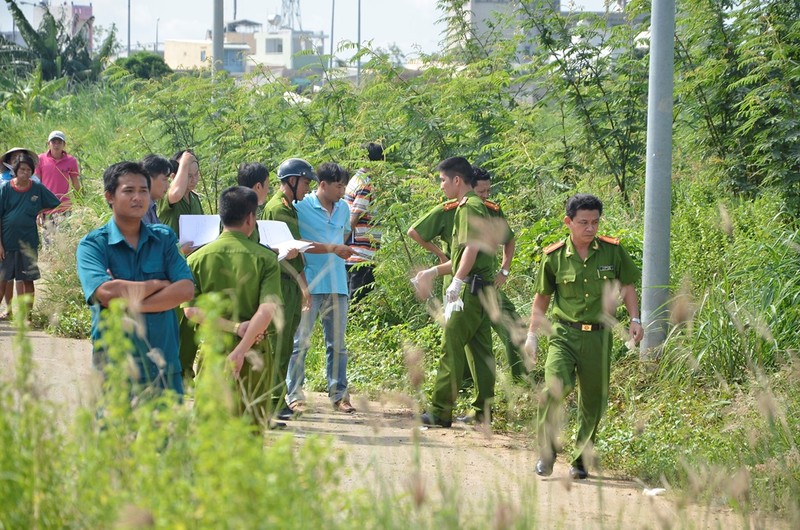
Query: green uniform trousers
{"type": "Point", "coordinates": [587, 356]}
{"type": "Point", "coordinates": [187, 344]}
{"type": "Point", "coordinates": [508, 316]}
{"type": "Point", "coordinates": [467, 333]}
{"type": "Point", "coordinates": [254, 387]}
{"type": "Point", "coordinates": [283, 341]}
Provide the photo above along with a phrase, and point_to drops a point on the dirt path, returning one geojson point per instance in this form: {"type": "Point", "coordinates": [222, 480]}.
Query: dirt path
{"type": "Point", "coordinates": [465, 465]}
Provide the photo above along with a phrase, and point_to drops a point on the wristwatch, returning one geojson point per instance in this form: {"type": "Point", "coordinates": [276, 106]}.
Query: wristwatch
{"type": "Point", "coordinates": [505, 272]}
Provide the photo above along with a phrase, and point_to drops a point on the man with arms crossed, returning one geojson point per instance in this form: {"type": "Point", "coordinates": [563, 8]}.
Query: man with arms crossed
{"type": "Point", "coordinates": [128, 259]}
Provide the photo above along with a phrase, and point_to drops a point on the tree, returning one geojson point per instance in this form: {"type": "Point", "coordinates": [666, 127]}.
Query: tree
{"type": "Point", "coordinates": [57, 50]}
{"type": "Point", "coordinates": [145, 65]}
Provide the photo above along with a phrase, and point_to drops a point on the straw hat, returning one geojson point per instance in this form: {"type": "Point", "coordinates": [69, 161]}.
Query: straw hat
{"type": "Point", "coordinates": [7, 155]}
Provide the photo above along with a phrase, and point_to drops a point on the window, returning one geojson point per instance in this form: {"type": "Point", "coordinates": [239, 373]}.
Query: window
{"type": "Point", "coordinates": [202, 55]}
{"type": "Point", "coordinates": [273, 46]}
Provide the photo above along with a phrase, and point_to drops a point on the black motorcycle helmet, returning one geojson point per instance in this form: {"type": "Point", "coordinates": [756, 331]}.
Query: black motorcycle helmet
{"type": "Point", "coordinates": [296, 167]}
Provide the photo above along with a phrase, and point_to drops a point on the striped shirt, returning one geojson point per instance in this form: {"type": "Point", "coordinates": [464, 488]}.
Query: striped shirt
{"type": "Point", "coordinates": [365, 238]}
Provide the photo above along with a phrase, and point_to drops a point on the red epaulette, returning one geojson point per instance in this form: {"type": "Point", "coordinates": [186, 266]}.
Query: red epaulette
{"type": "Point", "coordinates": [492, 205]}
{"type": "Point", "coordinates": [555, 246]}
{"type": "Point", "coordinates": [449, 205]}
{"type": "Point", "coordinates": [610, 240]}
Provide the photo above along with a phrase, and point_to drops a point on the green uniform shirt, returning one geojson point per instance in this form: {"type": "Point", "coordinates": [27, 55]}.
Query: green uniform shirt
{"type": "Point", "coordinates": [496, 212]}
{"type": "Point", "coordinates": [440, 219]}
{"type": "Point", "coordinates": [244, 270]}
{"type": "Point", "coordinates": [438, 222]}
{"type": "Point", "coordinates": [467, 230]}
{"type": "Point", "coordinates": [169, 214]}
{"type": "Point", "coordinates": [578, 284]}
{"type": "Point", "coordinates": [280, 208]}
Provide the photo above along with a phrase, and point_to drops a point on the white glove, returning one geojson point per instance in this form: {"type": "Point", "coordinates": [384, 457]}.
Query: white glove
{"type": "Point", "coordinates": [423, 282]}
{"type": "Point", "coordinates": [453, 292]}
{"type": "Point", "coordinates": [531, 345]}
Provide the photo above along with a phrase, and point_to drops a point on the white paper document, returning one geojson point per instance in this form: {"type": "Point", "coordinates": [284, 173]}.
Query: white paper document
{"type": "Point", "coordinates": [199, 229]}
{"type": "Point", "coordinates": [276, 235]}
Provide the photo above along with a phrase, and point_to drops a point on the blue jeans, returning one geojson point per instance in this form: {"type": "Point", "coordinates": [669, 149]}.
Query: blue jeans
{"type": "Point", "coordinates": [332, 311]}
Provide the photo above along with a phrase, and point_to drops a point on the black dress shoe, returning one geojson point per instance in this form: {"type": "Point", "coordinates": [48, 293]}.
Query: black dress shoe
{"type": "Point", "coordinates": [429, 419]}
{"type": "Point", "coordinates": [544, 468]}
{"type": "Point", "coordinates": [578, 470]}
{"type": "Point", "coordinates": [285, 414]}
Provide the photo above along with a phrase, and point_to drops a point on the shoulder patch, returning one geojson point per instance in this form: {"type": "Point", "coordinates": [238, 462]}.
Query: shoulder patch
{"type": "Point", "coordinates": [449, 205]}
{"type": "Point", "coordinates": [492, 205]}
{"type": "Point", "coordinates": [555, 246]}
{"type": "Point", "coordinates": [610, 240]}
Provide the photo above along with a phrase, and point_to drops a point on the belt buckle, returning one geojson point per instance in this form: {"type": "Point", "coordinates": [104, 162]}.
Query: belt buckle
{"type": "Point", "coordinates": [586, 327]}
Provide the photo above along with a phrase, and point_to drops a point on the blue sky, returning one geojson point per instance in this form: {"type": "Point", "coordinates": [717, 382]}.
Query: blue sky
{"type": "Point", "coordinates": [408, 23]}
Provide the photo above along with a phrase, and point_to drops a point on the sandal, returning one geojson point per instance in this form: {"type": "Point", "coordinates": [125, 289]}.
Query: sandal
{"type": "Point", "coordinates": [343, 405]}
{"type": "Point", "coordinates": [297, 407]}
{"type": "Point", "coordinates": [6, 315]}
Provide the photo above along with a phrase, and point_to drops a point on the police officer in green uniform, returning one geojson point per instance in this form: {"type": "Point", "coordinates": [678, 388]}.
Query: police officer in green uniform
{"type": "Point", "coordinates": [438, 222]}
{"type": "Point", "coordinates": [249, 274]}
{"type": "Point", "coordinates": [575, 272]}
{"type": "Point", "coordinates": [295, 175]}
{"type": "Point", "coordinates": [255, 175]}
{"type": "Point", "coordinates": [468, 329]}
{"type": "Point", "coordinates": [179, 200]}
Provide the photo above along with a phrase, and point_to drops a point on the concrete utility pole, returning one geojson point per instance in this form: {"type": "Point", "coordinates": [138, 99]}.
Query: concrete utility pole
{"type": "Point", "coordinates": [658, 178]}
{"type": "Point", "coordinates": [333, 15]}
{"type": "Point", "coordinates": [129, 28]}
{"type": "Point", "coordinates": [218, 38]}
{"type": "Point", "coordinates": [358, 68]}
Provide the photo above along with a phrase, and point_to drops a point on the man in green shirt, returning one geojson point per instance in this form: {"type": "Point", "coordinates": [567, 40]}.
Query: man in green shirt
{"type": "Point", "coordinates": [254, 175]}
{"type": "Point", "coordinates": [295, 175]}
{"type": "Point", "coordinates": [467, 321]}
{"type": "Point", "coordinates": [438, 222]}
{"type": "Point", "coordinates": [248, 273]}
{"type": "Point", "coordinates": [576, 272]}
{"type": "Point", "coordinates": [179, 200]}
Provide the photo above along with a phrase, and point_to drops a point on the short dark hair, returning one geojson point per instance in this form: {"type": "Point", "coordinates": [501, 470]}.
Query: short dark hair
{"type": "Point", "coordinates": [375, 152]}
{"type": "Point", "coordinates": [115, 171]}
{"type": "Point", "coordinates": [583, 201]}
{"type": "Point", "coordinates": [26, 159]}
{"type": "Point", "coordinates": [457, 166]}
{"type": "Point", "coordinates": [332, 172]}
{"type": "Point", "coordinates": [252, 173]}
{"type": "Point", "coordinates": [235, 204]}
{"type": "Point", "coordinates": [479, 174]}
{"type": "Point", "coordinates": [177, 156]}
{"type": "Point", "coordinates": [156, 165]}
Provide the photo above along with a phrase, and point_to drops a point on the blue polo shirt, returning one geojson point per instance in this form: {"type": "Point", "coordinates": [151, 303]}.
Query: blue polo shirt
{"type": "Point", "coordinates": [325, 273]}
{"type": "Point", "coordinates": [156, 258]}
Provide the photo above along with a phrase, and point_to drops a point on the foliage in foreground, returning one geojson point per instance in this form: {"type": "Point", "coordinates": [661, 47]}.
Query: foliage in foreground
{"type": "Point", "coordinates": [735, 259]}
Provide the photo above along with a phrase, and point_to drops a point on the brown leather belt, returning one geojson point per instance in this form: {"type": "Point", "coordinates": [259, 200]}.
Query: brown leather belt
{"type": "Point", "coordinates": [582, 326]}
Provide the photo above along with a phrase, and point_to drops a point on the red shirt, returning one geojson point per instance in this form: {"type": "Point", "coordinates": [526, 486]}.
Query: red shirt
{"type": "Point", "coordinates": [56, 175]}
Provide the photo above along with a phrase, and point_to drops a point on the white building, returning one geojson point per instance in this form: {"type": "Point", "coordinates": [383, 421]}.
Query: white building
{"type": "Point", "coordinates": [279, 48]}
